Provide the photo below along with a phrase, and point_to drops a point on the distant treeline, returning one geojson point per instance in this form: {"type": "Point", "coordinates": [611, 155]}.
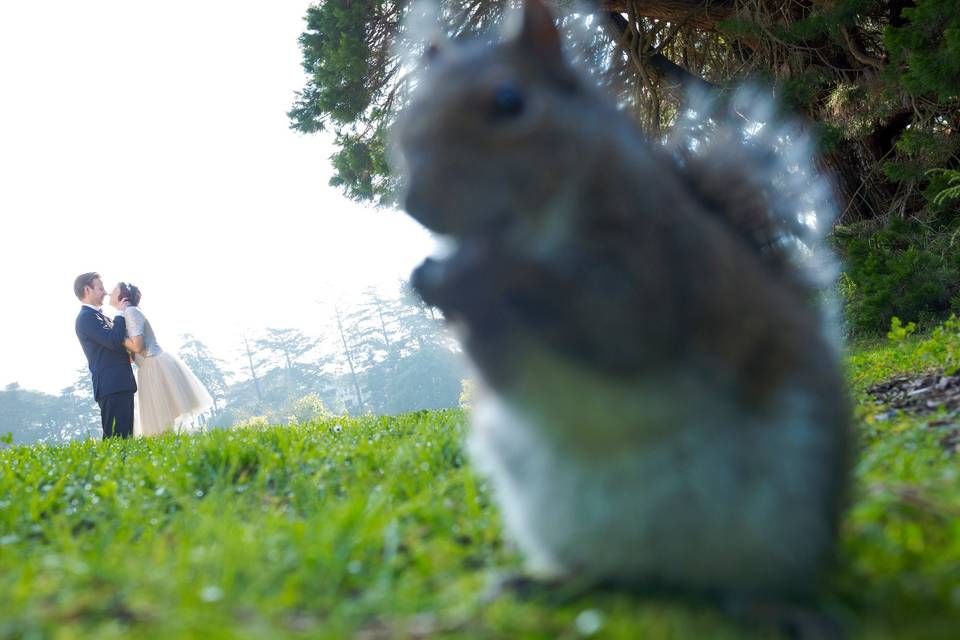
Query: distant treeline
{"type": "Point", "coordinates": [384, 355]}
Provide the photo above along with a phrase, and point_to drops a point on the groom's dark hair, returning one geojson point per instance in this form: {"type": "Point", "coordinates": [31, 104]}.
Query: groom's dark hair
{"type": "Point", "coordinates": [130, 292]}
{"type": "Point", "coordinates": [83, 281]}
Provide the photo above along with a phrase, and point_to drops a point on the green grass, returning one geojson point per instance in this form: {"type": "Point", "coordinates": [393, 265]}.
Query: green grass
{"type": "Point", "coordinates": [376, 528]}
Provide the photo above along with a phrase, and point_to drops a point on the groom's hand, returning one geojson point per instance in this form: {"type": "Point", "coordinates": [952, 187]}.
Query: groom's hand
{"type": "Point", "coordinates": [123, 304]}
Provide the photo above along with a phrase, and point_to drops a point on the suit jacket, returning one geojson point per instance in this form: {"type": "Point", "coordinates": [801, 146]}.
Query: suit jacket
{"type": "Point", "coordinates": [102, 343]}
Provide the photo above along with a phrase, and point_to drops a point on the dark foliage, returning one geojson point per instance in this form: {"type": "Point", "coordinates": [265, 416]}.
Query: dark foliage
{"type": "Point", "coordinates": [899, 271]}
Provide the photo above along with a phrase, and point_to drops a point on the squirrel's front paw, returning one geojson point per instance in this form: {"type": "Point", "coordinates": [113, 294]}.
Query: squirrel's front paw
{"type": "Point", "coordinates": [428, 281]}
{"type": "Point", "coordinates": [466, 277]}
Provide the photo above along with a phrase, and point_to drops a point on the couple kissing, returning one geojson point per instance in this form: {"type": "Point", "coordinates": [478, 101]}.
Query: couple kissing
{"type": "Point", "coordinates": [169, 396]}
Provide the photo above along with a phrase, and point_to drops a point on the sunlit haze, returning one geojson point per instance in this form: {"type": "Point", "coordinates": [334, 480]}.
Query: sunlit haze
{"type": "Point", "coordinates": [150, 142]}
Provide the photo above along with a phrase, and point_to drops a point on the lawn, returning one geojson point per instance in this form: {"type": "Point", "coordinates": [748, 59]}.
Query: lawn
{"type": "Point", "coordinates": [375, 527]}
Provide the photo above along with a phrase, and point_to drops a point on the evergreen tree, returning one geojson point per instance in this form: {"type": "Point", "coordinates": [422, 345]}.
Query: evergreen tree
{"type": "Point", "coordinates": [208, 368]}
{"type": "Point", "coordinates": [80, 407]}
{"type": "Point", "coordinates": [406, 359]}
{"type": "Point", "coordinates": [32, 416]}
{"type": "Point", "coordinates": [284, 348]}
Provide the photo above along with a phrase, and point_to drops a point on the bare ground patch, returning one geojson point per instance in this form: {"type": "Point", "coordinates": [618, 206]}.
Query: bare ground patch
{"type": "Point", "coordinates": [922, 395]}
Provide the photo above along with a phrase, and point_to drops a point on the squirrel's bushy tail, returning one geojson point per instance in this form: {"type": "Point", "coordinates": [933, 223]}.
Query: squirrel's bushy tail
{"type": "Point", "coordinates": [757, 172]}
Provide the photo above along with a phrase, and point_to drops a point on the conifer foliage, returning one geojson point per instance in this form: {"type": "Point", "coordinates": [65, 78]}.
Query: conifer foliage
{"type": "Point", "coordinates": [878, 80]}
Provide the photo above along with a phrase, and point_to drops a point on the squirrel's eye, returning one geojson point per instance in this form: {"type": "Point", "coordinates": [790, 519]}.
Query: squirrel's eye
{"type": "Point", "coordinates": [507, 102]}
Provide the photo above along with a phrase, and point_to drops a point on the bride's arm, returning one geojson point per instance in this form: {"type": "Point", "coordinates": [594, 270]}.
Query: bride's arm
{"type": "Point", "coordinates": [135, 321]}
{"type": "Point", "coordinates": [134, 344]}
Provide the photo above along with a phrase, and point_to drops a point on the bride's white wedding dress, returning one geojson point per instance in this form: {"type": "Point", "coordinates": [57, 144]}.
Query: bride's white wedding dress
{"type": "Point", "coordinates": [169, 396]}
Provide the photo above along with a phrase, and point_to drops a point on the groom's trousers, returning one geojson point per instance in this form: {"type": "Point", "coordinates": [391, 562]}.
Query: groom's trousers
{"type": "Point", "coordinates": [116, 414]}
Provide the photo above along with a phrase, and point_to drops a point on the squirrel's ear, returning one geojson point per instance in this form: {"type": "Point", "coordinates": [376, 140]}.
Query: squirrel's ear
{"type": "Point", "coordinates": [537, 31]}
{"type": "Point", "coordinates": [424, 23]}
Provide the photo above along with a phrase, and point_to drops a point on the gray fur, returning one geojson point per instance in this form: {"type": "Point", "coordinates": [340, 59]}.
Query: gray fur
{"type": "Point", "coordinates": [661, 403]}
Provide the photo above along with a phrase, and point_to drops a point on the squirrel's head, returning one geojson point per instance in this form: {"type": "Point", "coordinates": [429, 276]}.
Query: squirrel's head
{"type": "Point", "coordinates": [490, 132]}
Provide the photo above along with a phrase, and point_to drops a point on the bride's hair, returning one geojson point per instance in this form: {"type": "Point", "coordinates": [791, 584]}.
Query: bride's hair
{"type": "Point", "coordinates": [131, 292]}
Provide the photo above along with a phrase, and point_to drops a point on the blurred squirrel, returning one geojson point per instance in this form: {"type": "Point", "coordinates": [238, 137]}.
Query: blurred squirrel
{"type": "Point", "coordinates": [663, 404]}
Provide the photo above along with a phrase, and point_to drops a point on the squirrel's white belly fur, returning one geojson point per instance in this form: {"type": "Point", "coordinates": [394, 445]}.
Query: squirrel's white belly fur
{"type": "Point", "coordinates": [648, 483]}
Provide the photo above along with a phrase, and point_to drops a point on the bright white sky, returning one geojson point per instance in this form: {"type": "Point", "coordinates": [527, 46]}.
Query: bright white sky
{"type": "Point", "coordinates": [149, 141]}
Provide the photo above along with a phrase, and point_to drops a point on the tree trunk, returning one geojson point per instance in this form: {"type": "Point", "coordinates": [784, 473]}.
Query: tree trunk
{"type": "Point", "coordinates": [253, 373]}
{"type": "Point", "coordinates": [383, 324]}
{"type": "Point", "coordinates": [346, 351]}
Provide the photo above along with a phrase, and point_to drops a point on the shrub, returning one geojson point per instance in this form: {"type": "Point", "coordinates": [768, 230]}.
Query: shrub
{"type": "Point", "coordinates": [307, 409]}
{"type": "Point", "coordinates": [905, 269]}
{"type": "Point", "coordinates": [253, 422]}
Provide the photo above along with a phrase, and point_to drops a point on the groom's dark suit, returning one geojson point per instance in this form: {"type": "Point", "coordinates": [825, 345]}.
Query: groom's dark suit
{"type": "Point", "coordinates": [113, 382]}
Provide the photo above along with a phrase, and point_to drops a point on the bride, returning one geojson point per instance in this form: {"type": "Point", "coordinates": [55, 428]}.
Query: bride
{"type": "Point", "coordinates": [170, 396]}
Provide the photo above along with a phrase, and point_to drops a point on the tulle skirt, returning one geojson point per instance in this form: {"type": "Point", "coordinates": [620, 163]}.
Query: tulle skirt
{"type": "Point", "coordinates": [169, 396]}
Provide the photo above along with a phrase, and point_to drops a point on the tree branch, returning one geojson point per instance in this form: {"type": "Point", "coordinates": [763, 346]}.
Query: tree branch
{"type": "Point", "coordinates": [666, 69]}
{"type": "Point", "coordinates": [699, 14]}
{"type": "Point", "coordinates": [858, 53]}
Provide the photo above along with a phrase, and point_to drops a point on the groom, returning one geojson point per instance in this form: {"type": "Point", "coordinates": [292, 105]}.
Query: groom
{"type": "Point", "coordinates": [102, 342]}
